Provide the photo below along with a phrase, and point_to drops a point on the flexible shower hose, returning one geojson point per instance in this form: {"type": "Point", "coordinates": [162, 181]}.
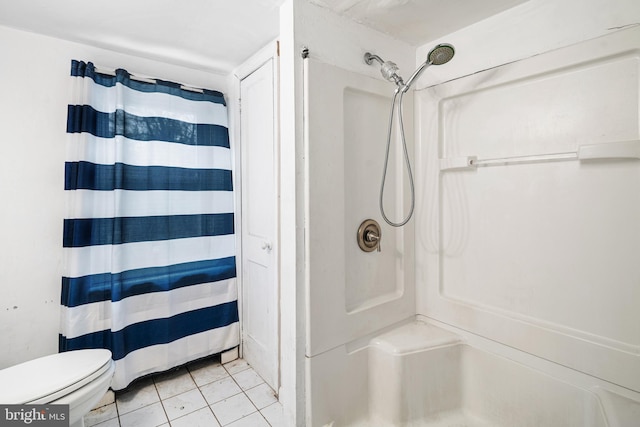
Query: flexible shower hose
{"type": "Point", "coordinates": [406, 160]}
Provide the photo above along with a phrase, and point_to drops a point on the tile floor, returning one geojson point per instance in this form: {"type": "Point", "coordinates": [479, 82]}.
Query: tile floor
{"type": "Point", "coordinates": [205, 393]}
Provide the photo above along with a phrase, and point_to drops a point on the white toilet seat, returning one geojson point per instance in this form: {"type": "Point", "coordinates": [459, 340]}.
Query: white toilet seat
{"type": "Point", "coordinates": [51, 377]}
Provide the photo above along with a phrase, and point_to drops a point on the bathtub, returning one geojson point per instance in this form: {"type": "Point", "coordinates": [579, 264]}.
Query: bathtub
{"type": "Point", "coordinates": [423, 375]}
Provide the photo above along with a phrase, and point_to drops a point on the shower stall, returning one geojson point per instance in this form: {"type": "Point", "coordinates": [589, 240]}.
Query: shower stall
{"type": "Point", "coordinates": [510, 296]}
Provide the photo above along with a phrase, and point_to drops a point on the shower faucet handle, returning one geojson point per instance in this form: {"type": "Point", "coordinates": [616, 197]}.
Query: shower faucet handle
{"type": "Point", "coordinates": [372, 237]}
{"type": "Point", "coordinates": [369, 236]}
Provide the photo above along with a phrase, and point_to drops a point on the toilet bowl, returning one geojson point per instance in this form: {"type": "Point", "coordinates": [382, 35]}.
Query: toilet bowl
{"type": "Point", "coordinates": [77, 378]}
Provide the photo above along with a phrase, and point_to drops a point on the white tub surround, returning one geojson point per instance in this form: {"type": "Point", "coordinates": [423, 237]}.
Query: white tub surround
{"type": "Point", "coordinates": [534, 242]}
{"type": "Point", "coordinates": [523, 247]}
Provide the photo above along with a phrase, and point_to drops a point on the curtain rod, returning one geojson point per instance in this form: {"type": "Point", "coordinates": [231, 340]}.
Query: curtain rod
{"type": "Point", "coordinates": [111, 72]}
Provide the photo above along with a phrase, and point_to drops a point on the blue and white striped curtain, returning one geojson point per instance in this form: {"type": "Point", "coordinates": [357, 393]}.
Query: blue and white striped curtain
{"type": "Point", "coordinates": [149, 238]}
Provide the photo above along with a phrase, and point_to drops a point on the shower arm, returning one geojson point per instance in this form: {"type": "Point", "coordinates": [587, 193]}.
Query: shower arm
{"type": "Point", "coordinates": [369, 57]}
{"type": "Point", "coordinates": [402, 86]}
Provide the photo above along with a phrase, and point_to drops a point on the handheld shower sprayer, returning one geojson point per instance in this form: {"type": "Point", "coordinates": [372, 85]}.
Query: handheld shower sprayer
{"type": "Point", "coordinates": [441, 54]}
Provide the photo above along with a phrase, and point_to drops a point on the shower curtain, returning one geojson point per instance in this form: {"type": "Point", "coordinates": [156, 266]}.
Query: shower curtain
{"type": "Point", "coordinates": [149, 244]}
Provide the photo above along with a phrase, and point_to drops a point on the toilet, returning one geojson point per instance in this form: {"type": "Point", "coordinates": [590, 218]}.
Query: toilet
{"type": "Point", "coordinates": [78, 378]}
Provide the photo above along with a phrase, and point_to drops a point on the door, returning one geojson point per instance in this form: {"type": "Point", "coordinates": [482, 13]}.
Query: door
{"type": "Point", "coordinates": [260, 312]}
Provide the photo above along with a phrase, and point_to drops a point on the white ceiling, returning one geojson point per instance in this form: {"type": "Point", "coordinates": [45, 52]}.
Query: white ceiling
{"type": "Point", "coordinates": [218, 35]}
{"type": "Point", "coordinates": [215, 35]}
{"type": "Point", "coordinates": [418, 21]}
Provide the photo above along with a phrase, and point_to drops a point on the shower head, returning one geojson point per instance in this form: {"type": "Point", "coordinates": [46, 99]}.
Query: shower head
{"type": "Point", "coordinates": [441, 54]}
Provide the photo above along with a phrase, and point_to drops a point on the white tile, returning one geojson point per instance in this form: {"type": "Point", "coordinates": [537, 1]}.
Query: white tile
{"type": "Point", "coordinates": [205, 374]}
{"type": "Point", "coordinates": [114, 422]}
{"type": "Point", "coordinates": [149, 416]}
{"type": "Point", "coordinates": [139, 394]}
{"type": "Point", "coordinates": [253, 420]}
{"type": "Point", "coordinates": [173, 383]}
{"type": "Point", "coordinates": [273, 414]}
{"type": "Point", "coordinates": [200, 418]}
{"type": "Point", "coordinates": [233, 409]}
{"type": "Point", "coordinates": [101, 414]}
{"type": "Point", "coordinates": [220, 390]}
{"type": "Point", "coordinates": [108, 398]}
{"type": "Point", "coordinates": [247, 379]}
{"type": "Point", "coordinates": [262, 395]}
{"type": "Point", "coordinates": [183, 404]}
{"type": "Point", "coordinates": [236, 366]}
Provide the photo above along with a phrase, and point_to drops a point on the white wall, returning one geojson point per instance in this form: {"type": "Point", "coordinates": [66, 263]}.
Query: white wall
{"type": "Point", "coordinates": [34, 93]}
{"type": "Point", "coordinates": [529, 29]}
{"type": "Point", "coordinates": [292, 304]}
